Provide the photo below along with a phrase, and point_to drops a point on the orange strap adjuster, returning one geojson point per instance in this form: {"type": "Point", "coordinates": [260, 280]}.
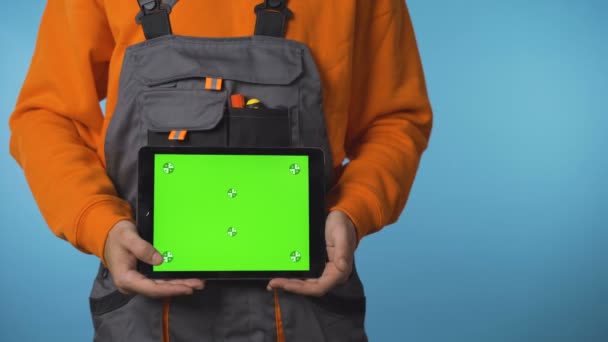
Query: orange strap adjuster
{"type": "Point", "coordinates": [178, 134]}
{"type": "Point", "coordinates": [213, 83]}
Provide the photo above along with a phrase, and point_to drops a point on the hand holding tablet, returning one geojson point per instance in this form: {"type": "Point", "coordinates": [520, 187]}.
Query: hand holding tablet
{"type": "Point", "coordinates": [122, 250]}
{"type": "Point", "coordinates": [341, 238]}
{"type": "Point", "coordinates": [232, 213]}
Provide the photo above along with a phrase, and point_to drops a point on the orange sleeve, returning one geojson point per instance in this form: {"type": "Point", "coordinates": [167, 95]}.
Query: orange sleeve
{"type": "Point", "coordinates": [390, 119]}
{"type": "Point", "coordinates": [57, 123]}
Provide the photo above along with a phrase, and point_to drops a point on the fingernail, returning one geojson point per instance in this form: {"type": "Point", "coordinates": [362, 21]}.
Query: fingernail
{"type": "Point", "coordinates": [157, 259]}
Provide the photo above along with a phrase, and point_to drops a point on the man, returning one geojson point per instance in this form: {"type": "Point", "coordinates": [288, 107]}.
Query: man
{"type": "Point", "coordinates": [377, 115]}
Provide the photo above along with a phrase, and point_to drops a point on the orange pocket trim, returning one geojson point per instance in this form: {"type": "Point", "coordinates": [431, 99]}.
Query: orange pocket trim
{"type": "Point", "coordinates": [179, 134]}
{"type": "Point", "coordinates": [213, 83]}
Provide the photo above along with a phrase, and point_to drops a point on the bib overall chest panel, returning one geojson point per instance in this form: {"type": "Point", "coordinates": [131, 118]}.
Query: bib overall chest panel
{"type": "Point", "coordinates": [163, 88]}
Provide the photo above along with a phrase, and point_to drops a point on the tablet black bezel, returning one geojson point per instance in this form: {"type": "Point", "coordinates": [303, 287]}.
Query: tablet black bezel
{"type": "Point", "coordinates": [317, 210]}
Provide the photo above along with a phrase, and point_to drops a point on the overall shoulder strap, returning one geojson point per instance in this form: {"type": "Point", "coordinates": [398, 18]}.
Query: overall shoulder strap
{"type": "Point", "coordinates": [154, 17]}
{"type": "Point", "coordinates": [272, 17]}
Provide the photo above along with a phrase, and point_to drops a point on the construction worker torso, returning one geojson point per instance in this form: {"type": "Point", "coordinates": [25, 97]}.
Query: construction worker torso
{"type": "Point", "coordinates": [181, 78]}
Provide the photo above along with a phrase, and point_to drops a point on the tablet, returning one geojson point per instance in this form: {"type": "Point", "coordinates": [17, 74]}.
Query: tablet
{"type": "Point", "coordinates": [232, 213]}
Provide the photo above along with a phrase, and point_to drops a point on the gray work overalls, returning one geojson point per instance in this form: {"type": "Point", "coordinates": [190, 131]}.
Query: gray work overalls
{"type": "Point", "coordinates": [163, 88]}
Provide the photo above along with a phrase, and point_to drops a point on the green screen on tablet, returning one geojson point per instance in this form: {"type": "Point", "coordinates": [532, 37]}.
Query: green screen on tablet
{"type": "Point", "coordinates": [219, 212]}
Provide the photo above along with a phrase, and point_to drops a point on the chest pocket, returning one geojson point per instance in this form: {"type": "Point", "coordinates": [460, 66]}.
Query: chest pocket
{"type": "Point", "coordinates": [176, 97]}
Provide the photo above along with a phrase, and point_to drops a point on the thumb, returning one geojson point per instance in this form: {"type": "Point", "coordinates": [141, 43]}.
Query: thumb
{"type": "Point", "coordinates": [143, 250]}
{"type": "Point", "coordinates": [342, 254]}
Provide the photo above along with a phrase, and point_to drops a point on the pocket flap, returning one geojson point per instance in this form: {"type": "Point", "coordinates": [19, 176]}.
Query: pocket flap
{"type": "Point", "coordinates": [169, 109]}
{"type": "Point", "coordinates": [241, 59]}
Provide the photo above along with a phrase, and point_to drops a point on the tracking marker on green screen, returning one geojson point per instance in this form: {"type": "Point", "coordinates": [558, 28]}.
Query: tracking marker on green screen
{"type": "Point", "coordinates": [167, 257]}
{"type": "Point", "coordinates": [232, 193]}
{"type": "Point", "coordinates": [295, 256]}
{"type": "Point", "coordinates": [294, 169]}
{"type": "Point", "coordinates": [168, 168]}
{"type": "Point", "coordinates": [232, 232]}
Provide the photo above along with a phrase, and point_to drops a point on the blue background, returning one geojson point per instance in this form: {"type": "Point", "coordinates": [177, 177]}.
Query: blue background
{"type": "Point", "coordinates": [504, 237]}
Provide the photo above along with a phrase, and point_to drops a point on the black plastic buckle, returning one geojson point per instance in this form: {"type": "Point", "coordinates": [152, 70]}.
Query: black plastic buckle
{"type": "Point", "coordinates": [148, 6]}
{"type": "Point", "coordinates": [272, 18]}
{"type": "Point", "coordinates": [154, 18]}
{"type": "Point", "coordinates": [277, 5]}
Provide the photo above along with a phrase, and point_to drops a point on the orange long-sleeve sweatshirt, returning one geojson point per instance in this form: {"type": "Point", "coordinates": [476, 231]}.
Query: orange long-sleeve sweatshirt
{"type": "Point", "coordinates": [377, 109]}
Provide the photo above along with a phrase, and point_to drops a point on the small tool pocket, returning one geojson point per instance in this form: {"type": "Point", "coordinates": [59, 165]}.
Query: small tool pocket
{"type": "Point", "coordinates": [258, 127]}
{"type": "Point", "coordinates": [199, 113]}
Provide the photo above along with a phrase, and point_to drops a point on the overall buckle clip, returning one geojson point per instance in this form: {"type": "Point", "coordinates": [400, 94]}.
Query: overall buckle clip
{"type": "Point", "coordinates": [154, 17]}
{"type": "Point", "coordinates": [272, 18]}
{"type": "Point", "coordinates": [274, 5]}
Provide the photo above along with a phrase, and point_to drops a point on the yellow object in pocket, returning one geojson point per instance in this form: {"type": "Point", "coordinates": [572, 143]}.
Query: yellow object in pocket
{"type": "Point", "coordinates": [254, 104]}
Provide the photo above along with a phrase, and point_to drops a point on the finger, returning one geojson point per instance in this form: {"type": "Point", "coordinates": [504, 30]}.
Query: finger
{"type": "Point", "coordinates": [136, 282]}
{"type": "Point", "coordinates": [305, 288]}
{"type": "Point", "coordinates": [194, 283]}
{"type": "Point", "coordinates": [197, 284]}
{"type": "Point", "coordinates": [291, 285]}
{"type": "Point", "coordinates": [341, 254]}
{"type": "Point", "coordinates": [143, 250]}
{"type": "Point", "coordinates": [276, 283]}
{"type": "Point", "coordinates": [311, 287]}
{"type": "Point", "coordinates": [125, 292]}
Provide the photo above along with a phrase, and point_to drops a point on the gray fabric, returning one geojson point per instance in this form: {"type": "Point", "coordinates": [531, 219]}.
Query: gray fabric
{"type": "Point", "coordinates": [337, 317]}
{"type": "Point", "coordinates": [233, 312]}
{"type": "Point", "coordinates": [249, 59]}
{"type": "Point", "coordinates": [182, 109]}
{"type": "Point", "coordinates": [177, 59]}
{"type": "Point", "coordinates": [131, 318]}
{"type": "Point", "coordinates": [161, 89]}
